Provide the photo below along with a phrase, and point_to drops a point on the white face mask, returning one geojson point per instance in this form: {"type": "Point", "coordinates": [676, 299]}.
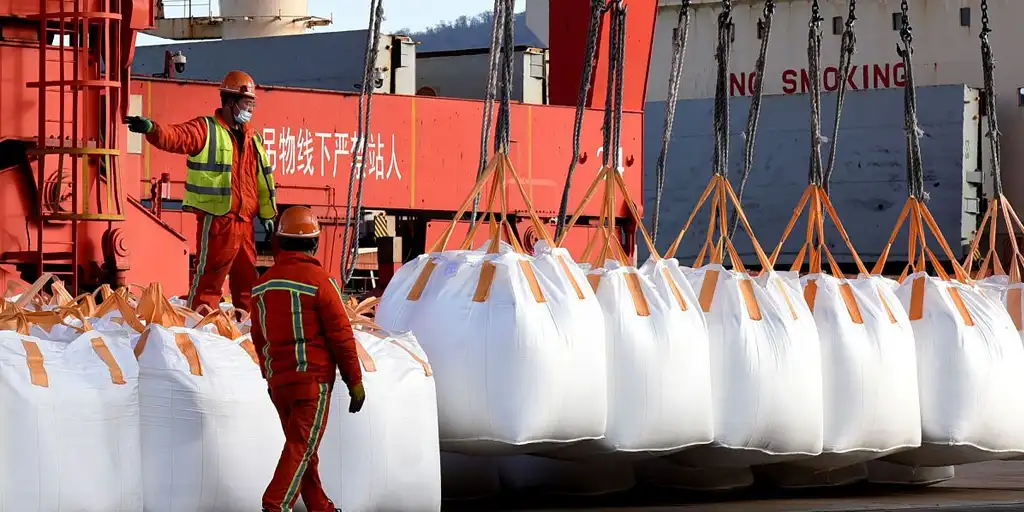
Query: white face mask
{"type": "Point", "coordinates": [243, 116]}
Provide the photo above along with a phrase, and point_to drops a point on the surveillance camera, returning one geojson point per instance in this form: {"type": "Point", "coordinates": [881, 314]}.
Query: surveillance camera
{"type": "Point", "coordinates": [179, 61]}
{"type": "Point", "coordinates": [378, 81]}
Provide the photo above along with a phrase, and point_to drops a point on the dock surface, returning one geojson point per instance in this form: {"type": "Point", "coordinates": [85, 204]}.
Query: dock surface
{"type": "Point", "coordinates": [982, 487]}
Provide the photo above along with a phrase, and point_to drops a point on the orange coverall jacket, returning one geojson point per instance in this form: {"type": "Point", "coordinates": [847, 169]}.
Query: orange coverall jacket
{"type": "Point", "coordinates": [300, 328]}
{"type": "Point", "coordinates": [188, 138]}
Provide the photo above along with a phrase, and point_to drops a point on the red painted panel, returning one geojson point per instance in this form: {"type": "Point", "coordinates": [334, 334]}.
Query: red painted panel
{"type": "Point", "coordinates": [30, 7]}
{"type": "Point", "coordinates": [424, 151]}
{"type": "Point", "coordinates": [568, 24]}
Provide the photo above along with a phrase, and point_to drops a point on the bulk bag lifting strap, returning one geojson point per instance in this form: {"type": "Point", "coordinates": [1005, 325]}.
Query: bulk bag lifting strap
{"type": "Point", "coordinates": [495, 174]}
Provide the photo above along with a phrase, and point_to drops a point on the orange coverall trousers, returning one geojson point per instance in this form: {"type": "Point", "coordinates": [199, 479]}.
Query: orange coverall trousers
{"type": "Point", "coordinates": [225, 248]}
{"type": "Point", "coordinates": [303, 409]}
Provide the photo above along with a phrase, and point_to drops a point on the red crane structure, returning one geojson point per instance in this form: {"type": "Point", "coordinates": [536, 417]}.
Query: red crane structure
{"type": "Point", "coordinates": [74, 183]}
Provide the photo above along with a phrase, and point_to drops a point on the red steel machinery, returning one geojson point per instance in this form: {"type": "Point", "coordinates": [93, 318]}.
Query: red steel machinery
{"type": "Point", "coordinates": [84, 199]}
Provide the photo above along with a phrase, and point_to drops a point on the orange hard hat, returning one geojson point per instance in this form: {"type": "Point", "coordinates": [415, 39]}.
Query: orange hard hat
{"type": "Point", "coordinates": [240, 83]}
{"type": "Point", "coordinates": [298, 222]}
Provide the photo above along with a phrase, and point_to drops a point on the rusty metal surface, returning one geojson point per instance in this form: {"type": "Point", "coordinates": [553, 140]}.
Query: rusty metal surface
{"type": "Point", "coordinates": [989, 486]}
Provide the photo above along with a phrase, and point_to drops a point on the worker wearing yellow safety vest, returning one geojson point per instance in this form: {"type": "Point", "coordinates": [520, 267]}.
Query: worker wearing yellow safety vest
{"type": "Point", "coordinates": [229, 183]}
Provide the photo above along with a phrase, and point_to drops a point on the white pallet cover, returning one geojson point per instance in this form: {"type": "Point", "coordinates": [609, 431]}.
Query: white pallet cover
{"type": "Point", "coordinates": [663, 472]}
{"type": "Point", "coordinates": [869, 372]}
{"type": "Point", "coordinates": [791, 476]}
{"type": "Point", "coordinates": [513, 375]}
{"type": "Point", "coordinates": [73, 446]}
{"type": "Point", "coordinates": [969, 377]}
{"type": "Point", "coordinates": [887, 473]}
{"type": "Point", "coordinates": [533, 474]}
{"type": "Point", "coordinates": [385, 457]}
{"type": "Point", "coordinates": [765, 374]}
{"type": "Point", "coordinates": [211, 442]}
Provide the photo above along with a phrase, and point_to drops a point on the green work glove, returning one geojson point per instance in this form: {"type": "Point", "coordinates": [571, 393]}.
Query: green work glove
{"type": "Point", "coordinates": [358, 396]}
{"type": "Point", "coordinates": [139, 124]}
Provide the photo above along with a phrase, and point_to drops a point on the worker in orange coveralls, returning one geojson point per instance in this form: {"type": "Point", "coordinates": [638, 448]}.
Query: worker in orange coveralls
{"type": "Point", "coordinates": [229, 183]}
{"type": "Point", "coordinates": [302, 333]}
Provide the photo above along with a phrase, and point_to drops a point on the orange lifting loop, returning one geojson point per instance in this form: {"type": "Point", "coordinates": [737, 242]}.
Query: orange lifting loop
{"type": "Point", "coordinates": [817, 203]}
{"type": "Point", "coordinates": [990, 264]}
{"type": "Point", "coordinates": [496, 174]}
{"type": "Point", "coordinates": [919, 254]}
{"type": "Point", "coordinates": [606, 233]}
{"type": "Point", "coordinates": [721, 193]}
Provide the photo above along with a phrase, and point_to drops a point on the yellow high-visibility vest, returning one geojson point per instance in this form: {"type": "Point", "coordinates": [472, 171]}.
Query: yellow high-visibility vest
{"type": "Point", "coordinates": [208, 182]}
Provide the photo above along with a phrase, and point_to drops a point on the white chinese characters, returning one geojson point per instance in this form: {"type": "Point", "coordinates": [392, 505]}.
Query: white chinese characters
{"type": "Point", "coordinates": [308, 153]}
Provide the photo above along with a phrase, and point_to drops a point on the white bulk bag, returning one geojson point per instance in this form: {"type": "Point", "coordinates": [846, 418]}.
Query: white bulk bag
{"type": "Point", "coordinates": [70, 432]}
{"type": "Point", "coordinates": [659, 379]}
{"type": "Point", "coordinates": [994, 287]}
{"type": "Point", "coordinates": [869, 371]}
{"type": "Point", "coordinates": [765, 371]}
{"type": "Point", "coordinates": [386, 457]}
{"type": "Point", "coordinates": [969, 361]}
{"type": "Point", "coordinates": [516, 368]}
{"type": "Point", "coordinates": [211, 437]}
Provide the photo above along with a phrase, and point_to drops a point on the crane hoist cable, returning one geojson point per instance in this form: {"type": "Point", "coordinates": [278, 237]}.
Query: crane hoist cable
{"type": "Point", "coordinates": [754, 114]}
{"type": "Point", "coordinates": [503, 131]}
{"type": "Point", "coordinates": [815, 199]}
{"type": "Point", "coordinates": [815, 172]}
{"type": "Point", "coordinates": [723, 53]}
{"type": "Point", "coordinates": [846, 49]}
{"type": "Point", "coordinates": [679, 38]}
{"type": "Point", "coordinates": [915, 211]}
{"type": "Point", "coordinates": [915, 165]}
{"type": "Point", "coordinates": [998, 204]}
{"type": "Point", "coordinates": [499, 80]}
{"type": "Point", "coordinates": [989, 100]}
{"type": "Point", "coordinates": [612, 123]}
{"type": "Point", "coordinates": [497, 42]}
{"type": "Point", "coordinates": [358, 168]}
{"type": "Point", "coordinates": [597, 9]}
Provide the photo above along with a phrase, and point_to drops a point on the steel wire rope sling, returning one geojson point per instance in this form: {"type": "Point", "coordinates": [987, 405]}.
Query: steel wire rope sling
{"type": "Point", "coordinates": [719, 188]}
{"type": "Point", "coordinates": [358, 168]}
{"type": "Point", "coordinates": [493, 62]}
{"type": "Point", "coordinates": [679, 39]}
{"type": "Point", "coordinates": [915, 210]}
{"type": "Point", "coordinates": [990, 264]}
{"type": "Point", "coordinates": [815, 198]}
{"type": "Point", "coordinates": [496, 173]}
{"type": "Point", "coordinates": [754, 113]}
{"type": "Point", "coordinates": [847, 46]}
{"type": "Point", "coordinates": [597, 9]}
{"type": "Point", "coordinates": [610, 176]}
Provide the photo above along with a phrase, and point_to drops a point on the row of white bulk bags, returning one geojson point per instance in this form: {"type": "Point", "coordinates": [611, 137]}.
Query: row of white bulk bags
{"type": "Point", "coordinates": [765, 371]}
{"type": "Point", "coordinates": [70, 436]}
{"type": "Point", "coordinates": [209, 422]}
{"type": "Point", "coordinates": [659, 382]}
{"type": "Point", "coordinates": [518, 359]}
{"type": "Point", "coordinates": [969, 359]}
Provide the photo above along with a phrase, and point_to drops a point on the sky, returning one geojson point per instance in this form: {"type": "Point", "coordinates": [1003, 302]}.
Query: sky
{"type": "Point", "coordinates": [354, 14]}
